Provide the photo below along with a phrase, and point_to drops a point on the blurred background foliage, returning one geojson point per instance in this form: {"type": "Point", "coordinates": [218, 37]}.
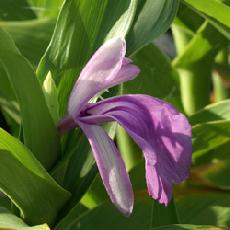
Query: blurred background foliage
{"type": "Point", "coordinates": [182, 49]}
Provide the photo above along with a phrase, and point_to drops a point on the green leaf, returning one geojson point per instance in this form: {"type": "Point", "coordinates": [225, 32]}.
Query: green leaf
{"type": "Point", "coordinates": [71, 47]}
{"type": "Point", "coordinates": [204, 207]}
{"type": "Point", "coordinates": [162, 215]}
{"type": "Point", "coordinates": [214, 12]}
{"type": "Point", "coordinates": [107, 217]}
{"type": "Point", "coordinates": [26, 182]}
{"type": "Point", "coordinates": [45, 8]}
{"type": "Point", "coordinates": [157, 77]}
{"type": "Point", "coordinates": [39, 131]}
{"type": "Point", "coordinates": [205, 43]}
{"type": "Point", "coordinates": [212, 8]}
{"type": "Point", "coordinates": [187, 227]}
{"type": "Point", "coordinates": [76, 171]}
{"type": "Point", "coordinates": [208, 136]}
{"type": "Point", "coordinates": [15, 10]}
{"type": "Point", "coordinates": [152, 18]}
{"type": "Point", "coordinates": [212, 112]}
{"type": "Point", "coordinates": [9, 221]}
{"type": "Point", "coordinates": [31, 37]}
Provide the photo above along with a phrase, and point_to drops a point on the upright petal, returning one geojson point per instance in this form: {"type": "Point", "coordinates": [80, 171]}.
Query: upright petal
{"type": "Point", "coordinates": [107, 67]}
{"type": "Point", "coordinates": [111, 168]}
{"type": "Point", "coordinates": [163, 134]}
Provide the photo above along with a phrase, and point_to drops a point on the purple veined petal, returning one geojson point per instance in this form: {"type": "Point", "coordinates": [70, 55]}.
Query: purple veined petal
{"type": "Point", "coordinates": [107, 67]}
{"type": "Point", "coordinates": [111, 168]}
{"type": "Point", "coordinates": [163, 134]}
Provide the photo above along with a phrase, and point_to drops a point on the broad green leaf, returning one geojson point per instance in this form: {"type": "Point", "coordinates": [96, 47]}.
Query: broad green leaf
{"type": "Point", "coordinates": [9, 221]}
{"type": "Point", "coordinates": [212, 112]}
{"type": "Point", "coordinates": [162, 215]}
{"type": "Point", "coordinates": [212, 8]}
{"type": "Point", "coordinates": [76, 171]}
{"type": "Point", "coordinates": [8, 102]}
{"type": "Point", "coordinates": [107, 217]}
{"type": "Point", "coordinates": [26, 182]}
{"type": "Point", "coordinates": [71, 48]}
{"type": "Point", "coordinates": [12, 10]}
{"type": "Point", "coordinates": [157, 77]}
{"type": "Point", "coordinates": [94, 20]}
{"type": "Point", "coordinates": [152, 18]}
{"type": "Point", "coordinates": [31, 37]}
{"type": "Point", "coordinates": [39, 131]}
{"type": "Point", "coordinates": [187, 227]}
{"type": "Point", "coordinates": [213, 12]}
{"type": "Point", "coordinates": [204, 207]}
{"type": "Point", "coordinates": [208, 136]}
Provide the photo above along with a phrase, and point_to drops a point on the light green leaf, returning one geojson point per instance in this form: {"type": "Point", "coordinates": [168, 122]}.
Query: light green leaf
{"type": "Point", "coordinates": [26, 182]}
{"type": "Point", "coordinates": [31, 37]}
{"type": "Point", "coordinates": [51, 95]}
{"type": "Point", "coordinates": [212, 112]}
{"type": "Point", "coordinates": [39, 131]}
{"type": "Point", "coordinates": [208, 136]}
{"type": "Point", "coordinates": [212, 8]}
{"type": "Point", "coordinates": [205, 43]}
{"type": "Point", "coordinates": [152, 18]}
{"type": "Point", "coordinates": [9, 221]}
{"type": "Point", "coordinates": [45, 8]}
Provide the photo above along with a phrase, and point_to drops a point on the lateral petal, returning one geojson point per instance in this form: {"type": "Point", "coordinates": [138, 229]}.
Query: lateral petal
{"type": "Point", "coordinates": [111, 168]}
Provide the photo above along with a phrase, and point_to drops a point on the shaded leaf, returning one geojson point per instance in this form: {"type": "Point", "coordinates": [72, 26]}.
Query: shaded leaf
{"type": "Point", "coordinates": [152, 18]}
{"type": "Point", "coordinates": [26, 182]}
{"type": "Point", "coordinates": [9, 221]}
{"type": "Point", "coordinates": [39, 131]}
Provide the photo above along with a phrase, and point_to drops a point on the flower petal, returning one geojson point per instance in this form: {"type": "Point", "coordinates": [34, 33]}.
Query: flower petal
{"type": "Point", "coordinates": [163, 134]}
{"type": "Point", "coordinates": [107, 67]}
{"type": "Point", "coordinates": [111, 168]}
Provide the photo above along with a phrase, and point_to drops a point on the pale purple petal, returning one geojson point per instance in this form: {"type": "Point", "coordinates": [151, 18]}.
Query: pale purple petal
{"type": "Point", "coordinates": [163, 134]}
{"type": "Point", "coordinates": [107, 67]}
{"type": "Point", "coordinates": [111, 168]}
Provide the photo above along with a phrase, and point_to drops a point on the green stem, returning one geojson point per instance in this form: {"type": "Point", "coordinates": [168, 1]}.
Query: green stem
{"type": "Point", "coordinates": [130, 152]}
{"type": "Point", "coordinates": [195, 88]}
{"type": "Point", "coordinates": [195, 81]}
{"type": "Point", "coordinates": [221, 92]}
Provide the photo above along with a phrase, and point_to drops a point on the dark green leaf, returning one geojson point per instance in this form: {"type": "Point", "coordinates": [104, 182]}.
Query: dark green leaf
{"type": "Point", "coordinates": [12, 10]}
{"type": "Point", "coordinates": [40, 133]}
{"type": "Point", "coordinates": [26, 182]}
{"type": "Point", "coordinates": [9, 221]}
{"type": "Point", "coordinates": [152, 18]}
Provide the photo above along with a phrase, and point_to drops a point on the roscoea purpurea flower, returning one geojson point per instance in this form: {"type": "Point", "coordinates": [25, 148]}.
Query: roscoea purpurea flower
{"type": "Point", "coordinates": [162, 133]}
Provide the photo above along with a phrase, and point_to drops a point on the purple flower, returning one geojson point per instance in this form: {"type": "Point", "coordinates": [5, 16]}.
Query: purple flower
{"type": "Point", "coordinates": [163, 134]}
